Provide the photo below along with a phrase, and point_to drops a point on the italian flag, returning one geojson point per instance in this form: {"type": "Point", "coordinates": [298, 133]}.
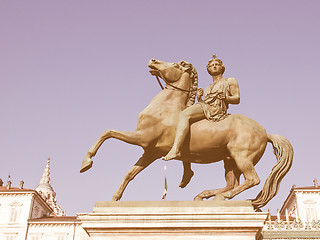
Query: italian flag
{"type": "Point", "coordinates": [165, 184]}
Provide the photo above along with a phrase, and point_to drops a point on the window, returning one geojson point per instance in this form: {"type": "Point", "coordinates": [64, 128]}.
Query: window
{"type": "Point", "coordinates": [11, 236]}
{"type": "Point", "coordinates": [311, 210]}
{"type": "Point", "coordinates": [311, 214]}
{"type": "Point", "coordinates": [14, 214]}
{"type": "Point", "coordinates": [15, 209]}
{"type": "Point", "coordinates": [62, 237]}
{"type": "Point", "coordinates": [35, 236]}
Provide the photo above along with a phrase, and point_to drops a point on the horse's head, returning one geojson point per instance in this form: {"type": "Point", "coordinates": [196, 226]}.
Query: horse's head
{"type": "Point", "coordinates": [173, 72]}
{"type": "Point", "coordinates": [170, 72]}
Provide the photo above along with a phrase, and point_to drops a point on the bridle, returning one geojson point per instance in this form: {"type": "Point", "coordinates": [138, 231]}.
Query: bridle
{"type": "Point", "coordinates": [180, 89]}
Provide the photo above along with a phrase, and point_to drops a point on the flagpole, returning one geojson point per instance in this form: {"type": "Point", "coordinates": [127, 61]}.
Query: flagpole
{"type": "Point", "coordinates": [165, 184]}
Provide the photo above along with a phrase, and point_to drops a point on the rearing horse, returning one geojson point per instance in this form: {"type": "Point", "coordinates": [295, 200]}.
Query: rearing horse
{"type": "Point", "coordinates": [237, 140]}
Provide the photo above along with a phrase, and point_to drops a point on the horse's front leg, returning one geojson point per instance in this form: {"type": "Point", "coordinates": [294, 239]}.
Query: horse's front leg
{"type": "Point", "coordinates": [141, 164]}
{"type": "Point", "coordinates": [129, 137]}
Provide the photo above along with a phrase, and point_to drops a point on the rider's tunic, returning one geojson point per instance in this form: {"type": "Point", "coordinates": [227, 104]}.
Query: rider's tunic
{"type": "Point", "coordinates": [214, 108]}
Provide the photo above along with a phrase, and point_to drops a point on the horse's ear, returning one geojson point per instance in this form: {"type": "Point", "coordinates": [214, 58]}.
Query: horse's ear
{"type": "Point", "coordinates": [187, 66]}
{"type": "Point", "coordinates": [190, 72]}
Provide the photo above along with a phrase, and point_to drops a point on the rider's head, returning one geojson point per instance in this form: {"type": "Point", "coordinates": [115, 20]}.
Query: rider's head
{"type": "Point", "coordinates": [215, 66]}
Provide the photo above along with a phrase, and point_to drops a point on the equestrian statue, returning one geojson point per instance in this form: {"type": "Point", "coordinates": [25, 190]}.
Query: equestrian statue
{"type": "Point", "coordinates": [173, 126]}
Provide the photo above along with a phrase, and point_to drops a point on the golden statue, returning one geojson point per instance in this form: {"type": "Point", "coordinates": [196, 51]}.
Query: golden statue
{"type": "Point", "coordinates": [163, 130]}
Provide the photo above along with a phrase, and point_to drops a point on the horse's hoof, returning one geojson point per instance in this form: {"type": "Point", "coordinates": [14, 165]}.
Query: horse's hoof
{"type": "Point", "coordinates": [197, 198]}
{"type": "Point", "coordinates": [86, 164]}
{"type": "Point", "coordinates": [186, 179]}
{"type": "Point", "coordinates": [219, 197]}
{"type": "Point", "coordinates": [115, 198]}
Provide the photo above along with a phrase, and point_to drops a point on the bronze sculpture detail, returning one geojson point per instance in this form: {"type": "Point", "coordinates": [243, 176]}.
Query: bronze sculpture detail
{"type": "Point", "coordinates": [237, 140]}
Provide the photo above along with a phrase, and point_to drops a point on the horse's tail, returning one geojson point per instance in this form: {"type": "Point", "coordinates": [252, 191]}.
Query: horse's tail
{"type": "Point", "coordinates": [284, 154]}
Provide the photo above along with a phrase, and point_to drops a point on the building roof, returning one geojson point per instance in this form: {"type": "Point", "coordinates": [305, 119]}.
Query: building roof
{"type": "Point", "coordinates": [44, 191]}
{"type": "Point", "coordinates": [305, 188]}
{"type": "Point", "coordinates": [55, 219]}
{"type": "Point", "coordinates": [15, 189]}
{"type": "Point", "coordinates": [294, 188]}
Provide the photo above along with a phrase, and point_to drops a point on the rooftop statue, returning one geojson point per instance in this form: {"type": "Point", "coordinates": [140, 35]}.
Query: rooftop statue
{"type": "Point", "coordinates": [173, 127]}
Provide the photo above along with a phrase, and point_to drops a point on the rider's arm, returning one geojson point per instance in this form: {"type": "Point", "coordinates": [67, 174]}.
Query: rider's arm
{"type": "Point", "coordinates": [234, 93]}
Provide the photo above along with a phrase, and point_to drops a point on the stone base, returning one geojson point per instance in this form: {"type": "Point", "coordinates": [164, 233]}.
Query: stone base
{"type": "Point", "coordinates": [201, 220]}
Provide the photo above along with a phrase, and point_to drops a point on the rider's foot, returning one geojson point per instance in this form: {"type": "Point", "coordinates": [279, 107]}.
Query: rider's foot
{"type": "Point", "coordinates": [86, 164]}
{"type": "Point", "coordinates": [172, 154]}
{"type": "Point", "coordinates": [186, 178]}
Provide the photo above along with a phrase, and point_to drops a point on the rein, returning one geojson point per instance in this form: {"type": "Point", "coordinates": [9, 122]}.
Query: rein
{"type": "Point", "coordinates": [159, 82]}
{"type": "Point", "coordinates": [183, 90]}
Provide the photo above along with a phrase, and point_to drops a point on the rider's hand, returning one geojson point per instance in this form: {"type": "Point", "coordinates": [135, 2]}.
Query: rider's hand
{"type": "Point", "coordinates": [222, 96]}
{"type": "Point", "coordinates": [199, 94]}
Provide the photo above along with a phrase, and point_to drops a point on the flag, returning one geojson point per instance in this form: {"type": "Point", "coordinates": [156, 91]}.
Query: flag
{"type": "Point", "coordinates": [165, 185]}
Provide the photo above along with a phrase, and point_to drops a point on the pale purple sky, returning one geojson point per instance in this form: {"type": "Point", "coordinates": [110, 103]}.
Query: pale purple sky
{"type": "Point", "coordinates": [71, 69]}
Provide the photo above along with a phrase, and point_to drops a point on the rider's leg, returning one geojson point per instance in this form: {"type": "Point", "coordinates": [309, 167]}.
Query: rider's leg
{"type": "Point", "coordinates": [191, 114]}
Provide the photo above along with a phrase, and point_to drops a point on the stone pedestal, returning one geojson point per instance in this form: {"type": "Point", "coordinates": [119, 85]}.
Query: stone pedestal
{"type": "Point", "coordinates": [196, 220]}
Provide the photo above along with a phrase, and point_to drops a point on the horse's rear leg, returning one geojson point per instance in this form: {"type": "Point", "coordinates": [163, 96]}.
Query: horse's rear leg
{"type": "Point", "coordinates": [232, 176]}
{"type": "Point", "coordinates": [187, 174]}
{"type": "Point", "coordinates": [244, 162]}
{"type": "Point", "coordinates": [129, 137]}
{"type": "Point", "coordinates": [145, 160]}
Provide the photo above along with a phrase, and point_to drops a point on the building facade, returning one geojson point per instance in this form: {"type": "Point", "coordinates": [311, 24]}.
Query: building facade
{"type": "Point", "coordinates": [298, 217]}
{"type": "Point", "coordinates": [33, 214]}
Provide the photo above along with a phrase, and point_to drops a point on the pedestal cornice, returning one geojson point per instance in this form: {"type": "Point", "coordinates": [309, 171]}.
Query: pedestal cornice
{"type": "Point", "coordinates": [176, 218]}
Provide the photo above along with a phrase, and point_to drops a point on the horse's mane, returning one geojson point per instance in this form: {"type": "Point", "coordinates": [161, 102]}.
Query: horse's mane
{"type": "Point", "coordinates": [194, 78]}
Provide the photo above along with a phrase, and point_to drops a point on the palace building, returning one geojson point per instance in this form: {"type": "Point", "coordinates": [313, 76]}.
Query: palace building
{"type": "Point", "coordinates": [298, 217]}
{"type": "Point", "coordinates": [33, 214]}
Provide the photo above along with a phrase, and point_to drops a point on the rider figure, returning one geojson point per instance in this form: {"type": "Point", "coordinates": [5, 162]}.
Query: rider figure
{"type": "Point", "coordinates": [217, 97]}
